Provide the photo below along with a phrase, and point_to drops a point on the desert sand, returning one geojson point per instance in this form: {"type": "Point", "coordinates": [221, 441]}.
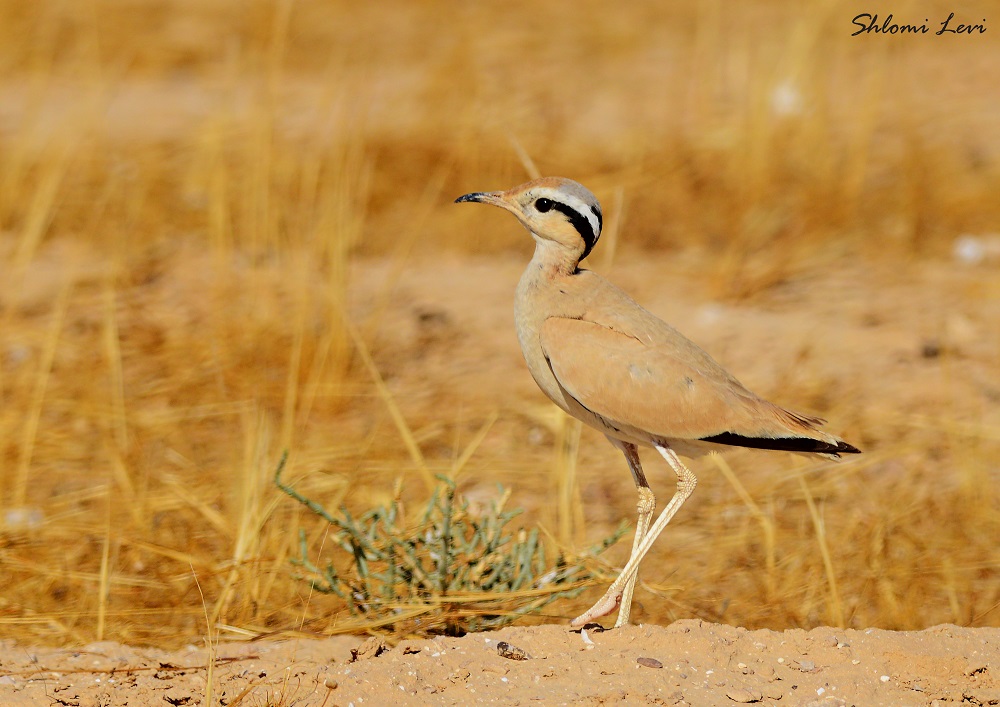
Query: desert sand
{"type": "Point", "coordinates": [690, 662]}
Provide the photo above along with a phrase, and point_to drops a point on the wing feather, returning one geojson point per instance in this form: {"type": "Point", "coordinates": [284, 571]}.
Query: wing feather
{"type": "Point", "coordinates": [664, 385]}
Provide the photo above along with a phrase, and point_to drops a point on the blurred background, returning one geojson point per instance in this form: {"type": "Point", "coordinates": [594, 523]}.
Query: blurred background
{"type": "Point", "coordinates": [226, 229]}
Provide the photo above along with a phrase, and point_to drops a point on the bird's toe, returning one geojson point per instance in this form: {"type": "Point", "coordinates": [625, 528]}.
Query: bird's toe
{"type": "Point", "coordinates": [607, 604]}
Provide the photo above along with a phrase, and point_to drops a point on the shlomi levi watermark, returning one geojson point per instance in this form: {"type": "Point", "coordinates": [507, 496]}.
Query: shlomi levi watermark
{"type": "Point", "coordinates": [868, 23]}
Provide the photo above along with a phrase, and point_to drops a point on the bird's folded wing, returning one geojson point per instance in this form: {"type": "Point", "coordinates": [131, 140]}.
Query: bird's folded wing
{"type": "Point", "coordinates": [665, 387]}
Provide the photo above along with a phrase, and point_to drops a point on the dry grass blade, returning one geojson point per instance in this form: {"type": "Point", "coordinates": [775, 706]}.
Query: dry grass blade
{"type": "Point", "coordinates": [30, 434]}
{"type": "Point", "coordinates": [836, 617]}
{"type": "Point", "coordinates": [103, 587]}
{"type": "Point", "coordinates": [567, 458]}
{"type": "Point", "coordinates": [209, 642]}
{"type": "Point", "coordinates": [472, 446]}
{"type": "Point", "coordinates": [530, 168]}
{"type": "Point", "coordinates": [766, 523]}
{"type": "Point", "coordinates": [390, 403]}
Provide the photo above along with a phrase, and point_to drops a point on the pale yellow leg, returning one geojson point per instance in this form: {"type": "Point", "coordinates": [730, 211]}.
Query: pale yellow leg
{"type": "Point", "coordinates": [645, 508]}
{"type": "Point", "coordinates": [686, 481]}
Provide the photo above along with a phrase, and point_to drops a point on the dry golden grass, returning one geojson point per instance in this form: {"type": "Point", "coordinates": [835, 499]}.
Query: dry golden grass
{"type": "Point", "coordinates": [186, 187]}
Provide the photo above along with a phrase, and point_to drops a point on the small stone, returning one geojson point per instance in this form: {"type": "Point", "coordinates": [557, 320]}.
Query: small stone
{"type": "Point", "coordinates": [773, 692]}
{"type": "Point", "coordinates": [330, 684]}
{"type": "Point", "coordinates": [768, 673]}
{"type": "Point", "coordinates": [807, 666]}
{"type": "Point", "coordinates": [510, 652]}
{"type": "Point", "coordinates": [372, 648]}
{"type": "Point", "coordinates": [744, 695]}
{"type": "Point", "coordinates": [649, 662]}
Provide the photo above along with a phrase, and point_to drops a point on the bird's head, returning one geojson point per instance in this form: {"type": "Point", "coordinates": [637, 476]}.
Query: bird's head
{"type": "Point", "coordinates": [554, 210]}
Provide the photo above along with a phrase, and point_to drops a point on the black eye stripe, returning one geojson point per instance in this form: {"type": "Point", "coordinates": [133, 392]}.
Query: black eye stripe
{"type": "Point", "coordinates": [582, 225]}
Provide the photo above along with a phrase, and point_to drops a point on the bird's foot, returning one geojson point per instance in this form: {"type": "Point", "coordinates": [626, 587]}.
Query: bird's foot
{"type": "Point", "coordinates": [608, 603]}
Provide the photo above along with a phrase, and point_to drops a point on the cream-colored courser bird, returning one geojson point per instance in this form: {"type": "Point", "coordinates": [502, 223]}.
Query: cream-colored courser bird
{"type": "Point", "coordinates": [608, 362]}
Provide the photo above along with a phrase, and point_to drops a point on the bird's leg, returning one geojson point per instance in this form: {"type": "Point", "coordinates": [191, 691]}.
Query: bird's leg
{"type": "Point", "coordinates": [645, 507]}
{"type": "Point", "coordinates": [686, 482]}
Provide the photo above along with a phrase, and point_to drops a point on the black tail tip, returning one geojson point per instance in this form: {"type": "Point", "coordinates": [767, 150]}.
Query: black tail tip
{"type": "Point", "coordinates": [845, 448]}
{"type": "Point", "coordinates": [785, 444]}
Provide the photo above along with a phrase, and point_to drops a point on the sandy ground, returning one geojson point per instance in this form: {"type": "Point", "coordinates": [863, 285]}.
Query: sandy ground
{"type": "Point", "coordinates": [689, 662]}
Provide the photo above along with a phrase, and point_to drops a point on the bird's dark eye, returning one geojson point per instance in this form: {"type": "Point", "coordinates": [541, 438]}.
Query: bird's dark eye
{"type": "Point", "coordinates": [543, 204]}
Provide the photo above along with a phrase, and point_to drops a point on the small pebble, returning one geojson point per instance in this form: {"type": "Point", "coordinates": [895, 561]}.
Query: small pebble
{"type": "Point", "coordinates": [884, 678]}
{"type": "Point", "coordinates": [649, 662]}
{"type": "Point", "coordinates": [744, 695]}
{"type": "Point", "coordinates": [330, 684]}
{"type": "Point", "coordinates": [510, 652]}
{"type": "Point", "coordinates": [373, 647]}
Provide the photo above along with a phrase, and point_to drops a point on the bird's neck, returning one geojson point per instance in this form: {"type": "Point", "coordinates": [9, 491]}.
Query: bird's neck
{"type": "Point", "coordinates": [552, 259]}
{"type": "Point", "coordinates": [537, 296]}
